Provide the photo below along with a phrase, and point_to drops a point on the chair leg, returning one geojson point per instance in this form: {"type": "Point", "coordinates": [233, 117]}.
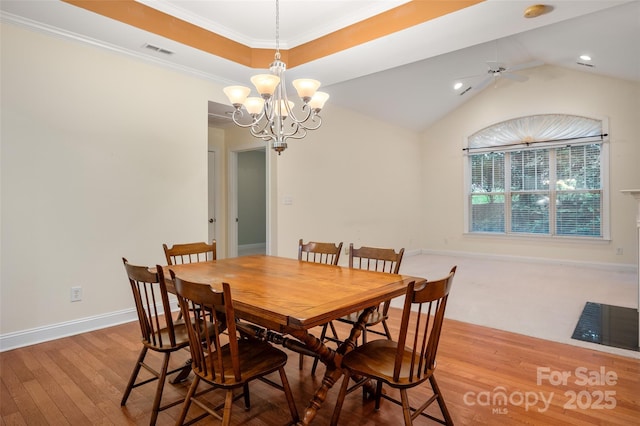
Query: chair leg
{"type": "Point", "coordinates": [378, 394]}
{"type": "Point", "coordinates": [247, 396]}
{"type": "Point", "coordinates": [386, 329]}
{"type": "Point", "coordinates": [134, 375]}
{"type": "Point", "coordinates": [158, 398]}
{"type": "Point", "coordinates": [226, 412]}
{"type": "Point", "coordinates": [333, 330]}
{"type": "Point", "coordinates": [187, 401]}
{"type": "Point", "coordinates": [443, 407]}
{"type": "Point", "coordinates": [287, 392]}
{"type": "Point", "coordinates": [343, 392]}
{"type": "Point", "coordinates": [323, 334]}
{"type": "Point", "coordinates": [315, 366]}
{"type": "Point", "coordinates": [406, 410]}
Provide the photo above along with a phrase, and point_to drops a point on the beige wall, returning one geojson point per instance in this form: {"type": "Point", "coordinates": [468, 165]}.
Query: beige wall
{"type": "Point", "coordinates": [353, 180]}
{"type": "Point", "coordinates": [104, 156]}
{"type": "Point", "coordinates": [549, 90]}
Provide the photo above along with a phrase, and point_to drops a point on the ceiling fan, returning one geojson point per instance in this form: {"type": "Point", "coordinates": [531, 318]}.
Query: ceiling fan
{"type": "Point", "coordinates": [498, 70]}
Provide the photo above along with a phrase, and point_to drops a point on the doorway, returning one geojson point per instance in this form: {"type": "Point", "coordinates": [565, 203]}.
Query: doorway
{"type": "Point", "coordinates": [249, 220]}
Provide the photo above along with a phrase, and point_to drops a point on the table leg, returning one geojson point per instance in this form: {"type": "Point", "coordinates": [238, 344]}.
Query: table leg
{"type": "Point", "coordinates": [332, 359]}
{"type": "Point", "coordinates": [184, 373]}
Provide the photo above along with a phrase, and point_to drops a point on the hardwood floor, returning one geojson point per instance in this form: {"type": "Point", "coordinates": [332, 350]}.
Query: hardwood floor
{"type": "Point", "coordinates": [79, 380]}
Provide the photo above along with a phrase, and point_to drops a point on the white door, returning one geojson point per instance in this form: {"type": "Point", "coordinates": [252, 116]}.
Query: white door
{"type": "Point", "coordinates": [212, 195]}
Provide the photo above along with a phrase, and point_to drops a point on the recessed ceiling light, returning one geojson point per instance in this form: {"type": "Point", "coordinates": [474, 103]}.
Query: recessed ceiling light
{"type": "Point", "coordinates": [585, 57]}
{"type": "Point", "coordinates": [457, 86]}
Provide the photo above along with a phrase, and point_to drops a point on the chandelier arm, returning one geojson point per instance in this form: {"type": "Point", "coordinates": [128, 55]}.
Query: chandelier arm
{"type": "Point", "coordinates": [238, 114]}
{"type": "Point", "coordinates": [300, 127]}
{"type": "Point", "coordinates": [260, 127]}
{"type": "Point", "coordinates": [305, 109]}
{"type": "Point", "coordinates": [300, 133]}
{"type": "Point", "coordinates": [311, 118]}
{"type": "Point", "coordinates": [262, 134]}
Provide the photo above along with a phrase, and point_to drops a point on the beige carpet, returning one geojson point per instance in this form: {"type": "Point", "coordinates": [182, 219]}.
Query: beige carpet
{"type": "Point", "coordinates": [536, 299]}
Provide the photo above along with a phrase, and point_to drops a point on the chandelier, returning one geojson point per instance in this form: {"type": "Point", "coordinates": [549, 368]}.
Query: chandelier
{"type": "Point", "coordinates": [271, 116]}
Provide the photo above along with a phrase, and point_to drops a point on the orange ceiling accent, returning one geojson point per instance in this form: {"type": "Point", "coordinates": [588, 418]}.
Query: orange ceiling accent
{"type": "Point", "coordinates": [394, 20]}
{"type": "Point", "coordinates": [146, 18]}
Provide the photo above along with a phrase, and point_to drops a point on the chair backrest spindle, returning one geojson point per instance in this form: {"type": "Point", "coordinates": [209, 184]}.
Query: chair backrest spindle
{"type": "Point", "coordinates": [197, 302]}
{"type": "Point", "coordinates": [375, 259]}
{"type": "Point", "coordinates": [317, 252]}
{"type": "Point", "coordinates": [190, 253]}
{"type": "Point", "coordinates": [152, 304]}
{"type": "Point", "coordinates": [421, 324]}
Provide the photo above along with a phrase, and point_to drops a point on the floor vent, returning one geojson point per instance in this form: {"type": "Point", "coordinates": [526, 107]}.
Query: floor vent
{"type": "Point", "coordinates": [608, 325]}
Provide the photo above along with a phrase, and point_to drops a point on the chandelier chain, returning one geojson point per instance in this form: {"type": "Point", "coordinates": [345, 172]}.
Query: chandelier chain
{"type": "Point", "coordinates": [278, 26]}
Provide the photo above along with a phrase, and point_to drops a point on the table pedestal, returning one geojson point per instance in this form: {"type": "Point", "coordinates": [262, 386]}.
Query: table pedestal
{"type": "Point", "coordinates": [310, 345]}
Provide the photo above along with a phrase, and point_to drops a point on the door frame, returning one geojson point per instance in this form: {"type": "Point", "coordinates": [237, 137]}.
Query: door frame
{"type": "Point", "coordinates": [214, 184]}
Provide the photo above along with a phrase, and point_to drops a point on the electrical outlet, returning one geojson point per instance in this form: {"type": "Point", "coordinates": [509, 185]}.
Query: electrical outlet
{"type": "Point", "coordinates": [619, 251]}
{"type": "Point", "coordinates": [76, 294]}
{"type": "Point", "coordinates": [346, 251]}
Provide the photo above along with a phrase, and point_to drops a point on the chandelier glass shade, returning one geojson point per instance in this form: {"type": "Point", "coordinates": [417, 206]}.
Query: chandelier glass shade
{"type": "Point", "coordinates": [270, 116]}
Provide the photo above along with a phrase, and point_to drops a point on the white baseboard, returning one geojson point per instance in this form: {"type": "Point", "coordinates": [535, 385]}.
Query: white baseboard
{"type": "Point", "coordinates": [621, 267]}
{"type": "Point", "coordinates": [252, 246]}
{"type": "Point", "coordinates": [246, 249]}
{"type": "Point", "coordinates": [46, 333]}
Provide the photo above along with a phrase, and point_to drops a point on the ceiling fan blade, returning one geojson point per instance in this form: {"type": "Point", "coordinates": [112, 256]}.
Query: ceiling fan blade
{"type": "Point", "coordinates": [525, 65]}
{"type": "Point", "coordinates": [484, 83]}
{"type": "Point", "coordinates": [495, 66]}
{"type": "Point", "coordinates": [516, 77]}
{"type": "Point", "coordinates": [470, 76]}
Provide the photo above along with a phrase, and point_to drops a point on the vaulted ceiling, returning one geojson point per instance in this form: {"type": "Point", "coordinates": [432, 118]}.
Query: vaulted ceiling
{"type": "Point", "coordinates": [394, 60]}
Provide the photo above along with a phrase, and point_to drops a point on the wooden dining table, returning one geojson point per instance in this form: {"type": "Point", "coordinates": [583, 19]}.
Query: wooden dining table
{"type": "Point", "coordinates": [286, 297]}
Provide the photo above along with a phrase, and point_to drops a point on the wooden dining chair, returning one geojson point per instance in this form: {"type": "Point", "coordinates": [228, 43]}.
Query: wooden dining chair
{"type": "Point", "coordinates": [319, 252]}
{"type": "Point", "coordinates": [159, 332]}
{"type": "Point", "coordinates": [328, 253]}
{"type": "Point", "coordinates": [224, 361]}
{"type": "Point", "coordinates": [408, 361]}
{"type": "Point", "coordinates": [190, 253]}
{"type": "Point", "coordinates": [374, 259]}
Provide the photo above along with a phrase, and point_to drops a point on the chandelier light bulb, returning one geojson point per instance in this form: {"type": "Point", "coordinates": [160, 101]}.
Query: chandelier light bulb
{"type": "Point", "coordinates": [236, 94]}
{"type": "Point", "coordinates": [265, 84]}
{"type": "Point", "coordinates": [282, 110]}
{"type": "Point", "coordinates": [306, 88]}
{"type": "Point", "coordinates": [254, 105]}
{"type": "Point", "coordinates": [317, 101]}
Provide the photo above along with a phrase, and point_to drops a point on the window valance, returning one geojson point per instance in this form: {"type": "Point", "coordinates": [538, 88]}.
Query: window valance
{"type": "Point", "coordinates": [544, 129]}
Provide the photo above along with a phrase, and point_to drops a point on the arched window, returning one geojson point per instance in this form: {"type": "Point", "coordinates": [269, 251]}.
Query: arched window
{"type": "Point", "coordinates": [539, 175]}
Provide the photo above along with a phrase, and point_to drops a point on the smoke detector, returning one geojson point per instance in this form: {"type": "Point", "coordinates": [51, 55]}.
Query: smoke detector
{"type": "Point", "coordinates": [537, 10]}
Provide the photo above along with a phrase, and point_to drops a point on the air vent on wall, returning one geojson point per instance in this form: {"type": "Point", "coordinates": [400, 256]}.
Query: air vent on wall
{"type": "Point", "coordinates": [158, 49]}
